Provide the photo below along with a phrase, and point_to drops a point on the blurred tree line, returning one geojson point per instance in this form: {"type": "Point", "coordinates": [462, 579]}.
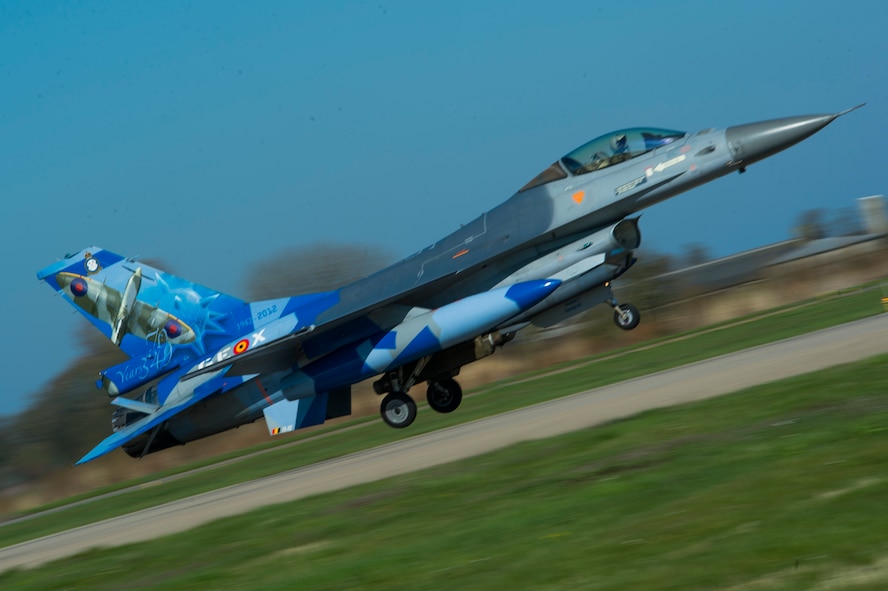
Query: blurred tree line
{"type": "Point", "coordinates": [815, 224]}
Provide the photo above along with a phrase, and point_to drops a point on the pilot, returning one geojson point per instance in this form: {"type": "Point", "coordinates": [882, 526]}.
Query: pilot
{"type": "Point", "coordinates": [599, 160]}
{"type": "Point", "coordinates": [620, 147]}
{"type": "Point", "coordinates": [620, 144]}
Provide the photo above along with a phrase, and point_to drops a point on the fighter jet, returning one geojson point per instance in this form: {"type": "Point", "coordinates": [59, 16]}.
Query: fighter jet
{"type": "Point", "coordinates": [206, 362]}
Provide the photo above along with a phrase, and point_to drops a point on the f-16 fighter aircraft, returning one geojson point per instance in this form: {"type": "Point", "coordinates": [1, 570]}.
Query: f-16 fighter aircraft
{"type": "Point", "coordinates": [209, 361]}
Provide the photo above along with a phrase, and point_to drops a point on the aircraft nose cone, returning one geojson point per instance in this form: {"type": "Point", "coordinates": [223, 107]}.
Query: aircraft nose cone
{"type": "Point", "coordinates": [754, 141]}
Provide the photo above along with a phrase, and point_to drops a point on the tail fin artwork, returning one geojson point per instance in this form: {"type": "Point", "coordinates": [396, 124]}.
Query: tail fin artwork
{"type": "Point", "coordinates": [184, 336]}
{"type": "Point", "coordinates": [159, 320]}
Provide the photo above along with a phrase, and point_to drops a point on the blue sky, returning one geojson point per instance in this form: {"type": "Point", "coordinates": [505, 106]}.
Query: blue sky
{"type": "Point", "coordinates": [212, 134]}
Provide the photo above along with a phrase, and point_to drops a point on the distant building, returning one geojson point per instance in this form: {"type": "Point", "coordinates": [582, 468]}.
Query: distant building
{"type": "Point", "coordinates": [872, 211]}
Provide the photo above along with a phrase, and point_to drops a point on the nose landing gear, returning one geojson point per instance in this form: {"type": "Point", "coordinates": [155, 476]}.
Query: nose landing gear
{"type": "Point", "coordinates": [626, 316]}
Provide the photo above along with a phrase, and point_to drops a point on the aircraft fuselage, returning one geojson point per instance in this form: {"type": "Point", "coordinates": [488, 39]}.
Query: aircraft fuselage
{"type": "Point", "coordinates": [503, 245]}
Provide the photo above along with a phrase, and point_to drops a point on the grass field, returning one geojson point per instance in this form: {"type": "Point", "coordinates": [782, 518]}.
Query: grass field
{"type": "Point", "coordinates": [505, 395]}
{"type": "Point", "coordinates": [781, 486]}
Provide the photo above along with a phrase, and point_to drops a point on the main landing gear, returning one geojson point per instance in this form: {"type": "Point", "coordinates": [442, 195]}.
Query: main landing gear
{"type": "Point", "coordinates": [398, 410]}
{"type": "Point", "coordinates": [444, 395]}
{"type": "Point", "coordinates": [626, 316]}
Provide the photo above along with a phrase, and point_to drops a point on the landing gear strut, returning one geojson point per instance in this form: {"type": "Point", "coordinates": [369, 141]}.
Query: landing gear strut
{"type": "Point", "coordinates": [626, 316]}
{"type": "Point", "coordinates": [398, 409]}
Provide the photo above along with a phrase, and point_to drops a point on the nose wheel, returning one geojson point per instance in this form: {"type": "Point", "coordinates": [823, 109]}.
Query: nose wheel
{"type": "Point", "coordinates": [626, 316]}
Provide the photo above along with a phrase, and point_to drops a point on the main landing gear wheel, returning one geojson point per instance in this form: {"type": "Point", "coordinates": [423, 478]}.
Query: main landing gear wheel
{"type": "Point", "coordinates": [626, 316]}
{"type": "Point", "coordinates": [398, 410]}
{"type": "Point", "coordinates": [444, 395]}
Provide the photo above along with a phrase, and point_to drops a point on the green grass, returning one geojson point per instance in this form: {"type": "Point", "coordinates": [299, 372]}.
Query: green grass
{"type": "Point", "coordinates": [781, 486]}
{"type": "Point", "coordinates": [498, 397]}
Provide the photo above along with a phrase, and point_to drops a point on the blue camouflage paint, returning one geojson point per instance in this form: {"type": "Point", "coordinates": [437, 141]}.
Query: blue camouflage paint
{"type": "Point", "coordinates": [421, 335]}
{"type": "Point", "coordinates": [529, 293]}
{"type": "Point", "coordinates": [422, 344]}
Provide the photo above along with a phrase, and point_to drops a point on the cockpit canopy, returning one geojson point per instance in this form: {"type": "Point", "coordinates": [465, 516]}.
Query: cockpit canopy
{"type": "Point", "coordinates": [603, 151]}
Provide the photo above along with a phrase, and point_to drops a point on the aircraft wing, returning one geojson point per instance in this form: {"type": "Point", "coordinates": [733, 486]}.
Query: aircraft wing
{"type": "Point", "coordinates": [282, 342]}
{"type": "Point", "coordinates": [209, 387]}
{"type": "Point", "coordinates": [275, 356]}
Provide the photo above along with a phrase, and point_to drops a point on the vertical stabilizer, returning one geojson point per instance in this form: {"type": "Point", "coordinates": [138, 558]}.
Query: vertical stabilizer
{"type": "Point", "coordinates": [158, 319]}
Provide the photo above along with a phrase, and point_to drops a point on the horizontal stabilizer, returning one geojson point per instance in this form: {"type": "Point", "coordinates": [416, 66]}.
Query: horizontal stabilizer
{"type": "Point", "coordinates": [154, 419]}
{"type": "Point", "coordinates": [135, 405]}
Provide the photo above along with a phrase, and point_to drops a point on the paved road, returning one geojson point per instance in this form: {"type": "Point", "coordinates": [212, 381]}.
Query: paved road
{"type": "Point", "coordinates": [700, 380]}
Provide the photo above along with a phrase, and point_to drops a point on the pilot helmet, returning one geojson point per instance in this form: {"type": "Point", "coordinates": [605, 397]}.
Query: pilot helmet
{"type": "Point", "coordinates": [620, 143]}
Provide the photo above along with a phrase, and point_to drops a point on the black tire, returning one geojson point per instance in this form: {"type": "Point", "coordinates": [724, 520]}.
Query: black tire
{"type": "Point", "coordinates": [627, 317]}
{"type": "Point", "coordinates": [444, 395]}
{"type": "Point", "coordinates": [398, 410]}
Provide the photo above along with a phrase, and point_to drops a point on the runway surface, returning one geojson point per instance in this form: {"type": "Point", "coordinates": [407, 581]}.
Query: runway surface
{"type": "Point", "coordinates": [705, 379]}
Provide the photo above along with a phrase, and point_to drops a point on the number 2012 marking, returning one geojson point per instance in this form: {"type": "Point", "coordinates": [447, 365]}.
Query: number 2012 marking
{"type": "Point", "coordinates": [266, 312]}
